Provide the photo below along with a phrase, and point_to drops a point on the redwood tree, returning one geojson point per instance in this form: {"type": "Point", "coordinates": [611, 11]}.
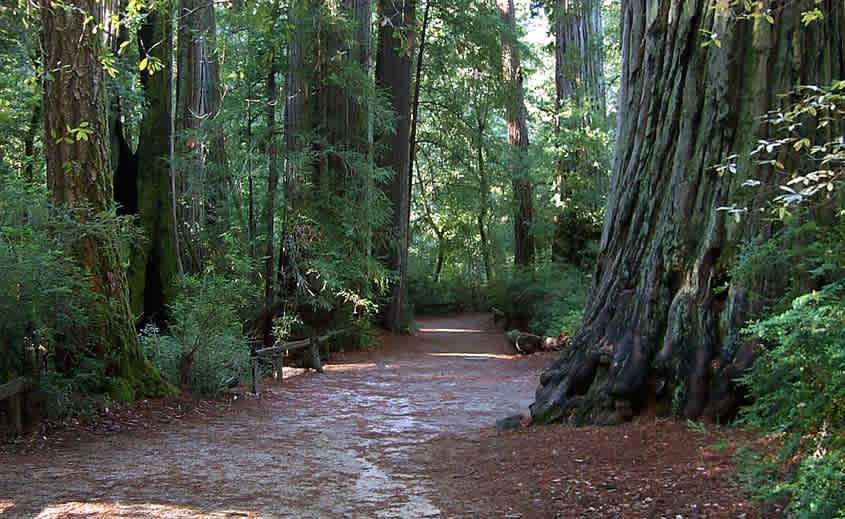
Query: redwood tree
{"type": "Point", "coordinates": [579, 53]}
{"type": "Point", "coordinates": [393, 73]}
{"type": "Point", "coordinates": [80, 177]}
{"type": "Point", "coordinates": [662, 322]}
{"type": "Point", "coordinates": [154, 266]}
{"type": "Point", "coordinates": [517, 138]}
{"type": "Point", "coordinates": [579, 86]}
{"type": "Point", "coordinates": [199, 135]}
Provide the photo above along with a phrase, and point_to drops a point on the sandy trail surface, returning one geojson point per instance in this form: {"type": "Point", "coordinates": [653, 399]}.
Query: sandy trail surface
{"type": "Point", "coordinates": [405, 430]}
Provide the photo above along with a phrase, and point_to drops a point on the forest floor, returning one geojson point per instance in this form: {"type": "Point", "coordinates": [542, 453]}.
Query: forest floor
{"type": "Point", "coordinates": [405, 430]}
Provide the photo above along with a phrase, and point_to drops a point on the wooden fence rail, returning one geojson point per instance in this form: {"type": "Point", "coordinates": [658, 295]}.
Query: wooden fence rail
{"type": "Point", "coordinates": [12, 390]}
{"type": "Point", "coordinates": [313, 343]}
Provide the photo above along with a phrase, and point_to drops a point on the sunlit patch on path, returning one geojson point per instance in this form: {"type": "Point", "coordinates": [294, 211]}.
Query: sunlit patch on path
{"type": "Point", "coordinates": [347, 443]}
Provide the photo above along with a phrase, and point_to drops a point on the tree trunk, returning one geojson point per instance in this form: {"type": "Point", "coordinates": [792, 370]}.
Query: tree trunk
{"type": "Point", "coordinates": [296, 123]}
{"type": "Point", "coordinates": [579, 82]}
{"type": "Point", "coordinates": [415, 107]}
{"type": "Point", "coordinates": [579, 54]}
{"type": "Point", "coordinates": [199, 134]}
{"type": "Point", "coordinates": [29, 143]}
{"type": "Point", "coordinates": [658, 329]}
{"type": "Point", "coordinates": [153, 268]}
{"type": "Point", "coordinates": [79, 176]}
{"type": "Point", "coordinates": [393, 73]}
{"type": "Point", "coordinates": [272, 96]}
{"type": "Point", "coordinates": [484, 202]}
{"type": "Point", "coordinates": [523, 197]}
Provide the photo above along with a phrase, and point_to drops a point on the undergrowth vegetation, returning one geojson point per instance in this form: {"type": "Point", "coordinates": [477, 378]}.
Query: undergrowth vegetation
{"type": "Point", "coordinates": [797, 385]}
{"type": "Point", "coordinates": [545, 300]}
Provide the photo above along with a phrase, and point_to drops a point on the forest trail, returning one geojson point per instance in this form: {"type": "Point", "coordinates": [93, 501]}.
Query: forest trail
{"type": "Point", "coordinates": [405, 430]}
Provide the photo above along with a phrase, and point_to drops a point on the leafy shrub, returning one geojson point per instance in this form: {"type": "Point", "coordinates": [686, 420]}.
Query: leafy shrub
{"type": "Point", "coordinates": [205, 328]}
{"type": "Point", "coordinates": [798, 391]}
{"type": "Point", "coordinates": [797, 386]}
{"type": "Point", "coordinates": [454, 292]}
{"type": "Point", "coordinates": [46, 301]}
{"type": "Point", "coordinates": [547, 300]}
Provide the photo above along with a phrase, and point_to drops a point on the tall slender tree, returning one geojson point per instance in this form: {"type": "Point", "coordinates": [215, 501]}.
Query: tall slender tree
{"type": "Point", "coordinates": [79, 176]}
{"type": "Point", "coordinates": [200, 138]}
{"type": "Point", "coordinates": [663, 320]}
{"type": "Point", "coordinates": [523, 195]}
{"type": "Point", "coordinates": [393, 73]}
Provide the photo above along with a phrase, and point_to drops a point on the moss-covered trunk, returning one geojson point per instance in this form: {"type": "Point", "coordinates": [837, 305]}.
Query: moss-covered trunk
{"type": "Point", "coordinates": [153, 267]}
{"type": "Point", "coordinates": [79, 176]}
{"type": "Point", "coordinates": [662, 322]}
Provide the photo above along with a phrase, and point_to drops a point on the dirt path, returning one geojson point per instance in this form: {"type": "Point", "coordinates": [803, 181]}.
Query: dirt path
{"type": "Point", "coordinates": [403, 431]}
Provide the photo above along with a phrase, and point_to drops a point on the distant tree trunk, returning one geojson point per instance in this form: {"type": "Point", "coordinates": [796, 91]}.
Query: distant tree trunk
{"type": "Point", "coordinates": [393, 73]}
{"type": "Point", "coordinates": [517, 138]}
{"type": "Point", "coordinates": [153, 268]}
{"type": "Point", "coordinates": [272, 96]}
{"type": "Point", "coordinates": [29, 143]}
{"type": "Point", "coordinates": [199, 135]}
{"type": "Point", "coordinates": [296, 123]}
{"type": "Point", "coordinates": [415, 108]}
{"type": "Point", "coordinates": [579, 53]}
{"type": "Point", "coordinates": [484, 201]}
{"type": "Point", "coordinates": [659, 328]}
{"type": "Point", "coordinates": [579, 81]}
{"type": "Point", "coordinates": [79, 175]}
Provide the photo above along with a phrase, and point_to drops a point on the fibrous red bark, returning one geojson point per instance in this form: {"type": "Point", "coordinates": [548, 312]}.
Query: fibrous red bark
{"type": "Point", "coordinates": [662, 323]}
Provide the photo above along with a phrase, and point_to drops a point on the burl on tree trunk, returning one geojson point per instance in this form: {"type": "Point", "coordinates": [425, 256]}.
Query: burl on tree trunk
{"type": "Point", "coordinates": [662, 324]}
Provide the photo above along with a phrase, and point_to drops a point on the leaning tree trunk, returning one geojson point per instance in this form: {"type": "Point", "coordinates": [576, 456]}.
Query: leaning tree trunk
{"type": "Point", "coordinates": [518, 139]}
{"type": "Point", "coordinates": [79, 176]}
{"type": "Point", "coordinates": [659, 329]}
{"type": "Point", "coordinates": [393, 73]}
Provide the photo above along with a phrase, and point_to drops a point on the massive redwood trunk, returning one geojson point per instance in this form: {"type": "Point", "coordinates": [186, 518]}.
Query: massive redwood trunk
{"type": "Point", "coordinates": [523, 196]}
{"type": "Point", "coordinates": [79, 176]}
{"type": "Point", "coordinates": [393, 73]}
{"type": "Point", "coordinates": [659, 328]}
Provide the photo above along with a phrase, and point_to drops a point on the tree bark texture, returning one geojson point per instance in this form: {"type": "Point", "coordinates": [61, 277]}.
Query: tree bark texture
{"type": "Point", "coordinates": [199, 135]}
{"type": "Point", "coordinates": [79, 176]}
{"type": "Point", "coordinates": [656, 330]}
{"type": "Point", "coordinates": [341, 91]}
{"type": "Point", "coordinates": [579, 53]}
{"type": "Point", "coordinates": [523, 195]}
{"type": "Point", "coordinates": [393, 74]}
{"type": "Point", "coordinates": [579, 79]}
{"type": "Point", "coordinates": [153, 268]}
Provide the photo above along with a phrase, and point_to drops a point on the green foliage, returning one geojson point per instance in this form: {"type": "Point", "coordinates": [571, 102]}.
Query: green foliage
{"type": "Point", "coordinates": [797, 385]}
{"type": "Point", "coordinates": [453, 292]}
{"type": "Point", "coordinates": [547, 301]}
{"type": "Point", "coordinates": [798, 391]}
{"type": "Point", "coordinates": [47, 302]}
{"type": "Point", "coordinates": [205, 324]}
